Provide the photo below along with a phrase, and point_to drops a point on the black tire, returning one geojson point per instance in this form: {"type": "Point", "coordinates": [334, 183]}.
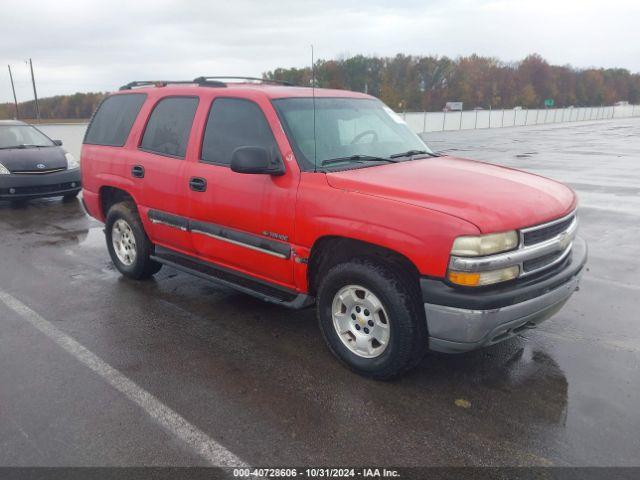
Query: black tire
{"type": "Point", "coordinates": [142, 267]}
{"type": "Point", "coordinates": [401, 300]}
{"type": "Point", "coordinates": [70, 196]}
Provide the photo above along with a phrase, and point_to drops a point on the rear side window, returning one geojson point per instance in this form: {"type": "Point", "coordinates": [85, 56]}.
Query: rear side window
{"type": "Point", "coordinates": [112, 122]}
{"type": "Point", "coordinates": [169, 125]}
{"type": "Point", "coordinates": [234, 123]}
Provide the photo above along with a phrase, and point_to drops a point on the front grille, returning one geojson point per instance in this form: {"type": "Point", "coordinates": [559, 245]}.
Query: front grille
{"type": "Point", "coordinates": [34, 190]}
{"type": "Point", "coordinates": [540, 262]}
{"type": "Point", "coordinates": [38, 172]}
{"type": "Point", "coordinates": [546, 233]}
{"type": "Point", "coordinates": [540, 249]}
{"type": "Point", "coordinates": [531, 237]}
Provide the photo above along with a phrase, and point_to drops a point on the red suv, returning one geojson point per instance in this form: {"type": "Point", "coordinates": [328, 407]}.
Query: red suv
{"type": "Point", "coordinates": [327, 198]}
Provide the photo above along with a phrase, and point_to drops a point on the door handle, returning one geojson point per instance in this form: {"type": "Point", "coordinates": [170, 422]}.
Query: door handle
{"type": "Point", "coordinates": [197, 184]}
{"type": "Point", "coordinates": [137, 171]}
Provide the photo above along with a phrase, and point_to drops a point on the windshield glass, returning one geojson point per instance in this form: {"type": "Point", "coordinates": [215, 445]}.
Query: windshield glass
{"type": "Point", "coordinates": [17, 136]}
{"type": "Point", "coordinates": [344, 127]}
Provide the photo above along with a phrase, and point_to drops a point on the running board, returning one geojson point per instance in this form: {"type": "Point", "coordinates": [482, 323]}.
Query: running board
{"type": "Point", "coordinates": [223, 276]}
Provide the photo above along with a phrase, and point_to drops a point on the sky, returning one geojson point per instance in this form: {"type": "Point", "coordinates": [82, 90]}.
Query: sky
{"type": "Point", "coordinates": [89, 45]}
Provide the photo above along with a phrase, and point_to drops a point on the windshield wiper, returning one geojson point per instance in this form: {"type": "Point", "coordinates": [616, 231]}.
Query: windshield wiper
{"type": "Point", "coordinates": [27, 145]}
{"type": "Point", "coordinates": [357, 158]}
{"type": "Point", "coordinates": [22, 146]}
{"type": "Point", "coordinates": [411, 153]}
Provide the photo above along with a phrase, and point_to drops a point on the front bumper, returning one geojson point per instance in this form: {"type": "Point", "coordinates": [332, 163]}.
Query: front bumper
{"type": "Point", "coordinates": [463, 320]}
{"type": "Point", "coordinates": [18, 187]}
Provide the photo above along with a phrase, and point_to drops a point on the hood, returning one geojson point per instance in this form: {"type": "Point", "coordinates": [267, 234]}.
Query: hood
{"type": "Point", "coordinates": [28, 159]}
{"type": "Point", "coordinates": [491, 197]}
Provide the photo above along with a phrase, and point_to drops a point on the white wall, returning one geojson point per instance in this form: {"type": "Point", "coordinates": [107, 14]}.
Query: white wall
{"type": "Point", "coordinates": [421, 122]}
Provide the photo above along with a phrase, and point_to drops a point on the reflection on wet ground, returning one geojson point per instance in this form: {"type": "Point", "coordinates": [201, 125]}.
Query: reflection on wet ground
{"type": "Point", "coordinates": [258, 378]}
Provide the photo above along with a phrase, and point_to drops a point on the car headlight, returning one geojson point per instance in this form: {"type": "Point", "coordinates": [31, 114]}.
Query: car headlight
{"type": "Point", "coordinates": [480, 245]}
{"type": "Point", "coordinates": [72, 163]}
{"type": "Point", "coordinates": [3, 170]}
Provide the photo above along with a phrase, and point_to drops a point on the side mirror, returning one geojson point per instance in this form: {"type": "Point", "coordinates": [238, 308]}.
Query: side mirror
{"type": "Point", "coordinates": [57, 143]}
{"type": "Point", "coordinates": [256, 160]}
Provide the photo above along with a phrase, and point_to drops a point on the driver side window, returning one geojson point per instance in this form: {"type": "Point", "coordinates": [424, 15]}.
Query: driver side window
{"type": "Point", "coordinates": [233, 123]}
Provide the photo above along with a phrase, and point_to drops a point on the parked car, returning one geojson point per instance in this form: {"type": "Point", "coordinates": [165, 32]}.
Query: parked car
{"type": "Point", "coordinates": [32, 165]}
{"type": "Point", "coordinates": [329, 200]}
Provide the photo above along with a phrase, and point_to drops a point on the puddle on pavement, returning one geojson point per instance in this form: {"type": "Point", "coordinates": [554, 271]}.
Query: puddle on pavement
{"type": "Point", "coordinates": [91, 239]}
{"type": "Point", "coordinates": [94, 238]}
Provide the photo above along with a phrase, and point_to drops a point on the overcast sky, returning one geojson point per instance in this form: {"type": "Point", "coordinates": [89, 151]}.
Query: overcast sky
{"type": "Point", "coordinates": [99, 45]}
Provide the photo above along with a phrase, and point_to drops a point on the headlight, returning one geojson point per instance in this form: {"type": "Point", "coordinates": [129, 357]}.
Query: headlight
{"type": "Point", "coordinates": [480, 245]}
{"type": "Point", "coordinates": [478, 279]}
{"type": "Point", "coordinates": [3, 170]}
{"type": "Point", "coordinates": [72, 163]}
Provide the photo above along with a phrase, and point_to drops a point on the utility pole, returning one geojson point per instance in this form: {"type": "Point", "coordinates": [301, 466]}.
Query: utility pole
{"type": "Point", "coordinates": [35, 94]}
{"type": "Point", "coordinates": [13, 88]}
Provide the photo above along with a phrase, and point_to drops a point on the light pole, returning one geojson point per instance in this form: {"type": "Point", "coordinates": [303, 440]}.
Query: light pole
{"type": "Point", "coordinates": [13, 88]}
{"type": "Point", "coordinates": [35, 93]}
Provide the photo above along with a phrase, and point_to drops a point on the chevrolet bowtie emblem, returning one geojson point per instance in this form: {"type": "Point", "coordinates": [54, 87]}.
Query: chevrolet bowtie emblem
{"type": "Point", "coordinates": [564, 240]}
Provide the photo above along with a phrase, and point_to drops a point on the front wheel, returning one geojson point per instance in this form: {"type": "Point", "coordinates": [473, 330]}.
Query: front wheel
{"type": "Point", "coordinates": [370, 316]}
{"type": "Point", "coordinates": [129, 247]}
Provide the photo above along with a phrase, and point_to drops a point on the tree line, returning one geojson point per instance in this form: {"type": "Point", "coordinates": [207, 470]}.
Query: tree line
{"type": "Point", "coordinates": [78, 106]}
{"type": "Point", "coordinates": [426, 83]}
{"type": "Point", "coordinates": [421, 83]}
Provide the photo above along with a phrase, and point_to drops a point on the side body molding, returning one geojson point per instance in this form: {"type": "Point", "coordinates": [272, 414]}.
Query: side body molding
{"type": "Point", "coordinates": [243, 239]}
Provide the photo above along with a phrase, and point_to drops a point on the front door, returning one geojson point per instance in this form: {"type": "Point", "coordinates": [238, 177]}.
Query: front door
{"type": "Point", "coordinates": [241, 221]}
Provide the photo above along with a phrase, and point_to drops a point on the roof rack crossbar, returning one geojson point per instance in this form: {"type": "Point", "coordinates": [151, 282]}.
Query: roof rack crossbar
{"type": "Point", "coordinates": [147, 83]}
{"type": "Point", "coordinates": [207, 79]}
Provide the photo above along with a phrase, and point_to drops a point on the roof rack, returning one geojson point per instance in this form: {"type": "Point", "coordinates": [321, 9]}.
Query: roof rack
{"type": "Point", "coordinates": [148, 83]}
{"type": "Point", "coordinates": [254, 79]}
{"type": "Point", "coordinates": [201, 81]}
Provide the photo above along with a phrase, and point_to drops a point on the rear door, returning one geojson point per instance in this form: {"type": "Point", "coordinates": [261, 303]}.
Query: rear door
{"type": "Point", "coordinates": [160, 166]}
{"type": "Point", "coordinates": [243, 221]}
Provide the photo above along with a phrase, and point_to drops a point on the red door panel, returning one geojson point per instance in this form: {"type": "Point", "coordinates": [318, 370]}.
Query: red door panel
{"type": "Point", "coordinates": [163, 151]}
{"type": "Point", "coordinates": [258, 206]}
{"type": "Point", "coordinates": [165, 190]}
{"type": "Point", "coordinates": [253, 212]}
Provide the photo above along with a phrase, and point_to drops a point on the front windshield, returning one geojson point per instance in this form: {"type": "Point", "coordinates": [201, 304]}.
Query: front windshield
{"type": "Point", "coordinates": [22, 136]}
{"type": "Point", "coordinates": [346, 128]}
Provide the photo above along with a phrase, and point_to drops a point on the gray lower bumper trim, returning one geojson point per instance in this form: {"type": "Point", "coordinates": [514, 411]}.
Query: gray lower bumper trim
{"type": "Point", "coordinates": [458, 330]}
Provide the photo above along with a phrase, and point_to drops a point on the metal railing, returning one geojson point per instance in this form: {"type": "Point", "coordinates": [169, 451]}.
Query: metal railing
{"type": "Point", "coordinates": [421, 122]}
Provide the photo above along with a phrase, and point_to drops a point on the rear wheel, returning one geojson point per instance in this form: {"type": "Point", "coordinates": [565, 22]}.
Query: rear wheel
{"type": "Point", "coordinates": [370, 316]}
{"type": "Point", "coordinates": [129, 247]}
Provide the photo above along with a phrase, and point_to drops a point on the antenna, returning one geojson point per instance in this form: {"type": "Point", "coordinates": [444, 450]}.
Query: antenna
{"type": "Point", "coordinates": [313, 96]}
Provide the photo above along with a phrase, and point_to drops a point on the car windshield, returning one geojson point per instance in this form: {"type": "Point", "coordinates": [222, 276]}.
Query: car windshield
{"type": "Point", "coordinates": [348, 131]}
{"type": "Point", "coordinates": [22, 136]}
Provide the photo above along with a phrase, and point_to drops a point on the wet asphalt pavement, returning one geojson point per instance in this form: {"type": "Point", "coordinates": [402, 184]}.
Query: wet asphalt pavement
{"type": "Point", "coordinates": [258, 379]}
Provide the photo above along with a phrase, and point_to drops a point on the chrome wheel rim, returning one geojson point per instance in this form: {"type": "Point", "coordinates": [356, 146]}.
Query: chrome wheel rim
{"type": "Point", "coordinates": [361, 321]}
{"type": "Point", "coordinates": [124, 242]}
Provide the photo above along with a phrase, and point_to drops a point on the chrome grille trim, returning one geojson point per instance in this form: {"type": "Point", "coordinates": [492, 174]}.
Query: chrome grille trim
{"type": "Point", "coordinates": [536, 228]}
{"type": "Point", "coordinates": [38, 172]}
{"type": "Point", "coordinates": [561, 242]}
